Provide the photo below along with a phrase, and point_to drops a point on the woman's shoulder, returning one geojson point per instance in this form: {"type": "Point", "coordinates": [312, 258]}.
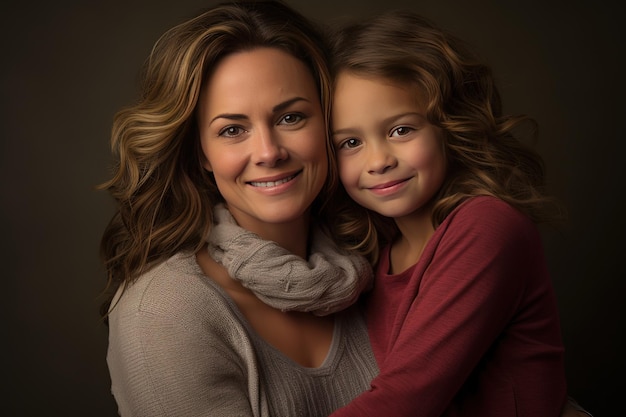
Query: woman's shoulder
{"type": "Point", "coordinates": [175, 290]}
{"type": "Point", "coordinates": [168, 327]}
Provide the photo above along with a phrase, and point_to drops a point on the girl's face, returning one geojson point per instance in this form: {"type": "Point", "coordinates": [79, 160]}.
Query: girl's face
{"type": "Point", "coordinates": [263, 135]}
{"type": "Point", "coordinates": [391, 158]}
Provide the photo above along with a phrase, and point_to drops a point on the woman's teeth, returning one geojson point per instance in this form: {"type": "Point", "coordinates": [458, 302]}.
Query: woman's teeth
{"type": "Point", "coordinates": [272, 183]}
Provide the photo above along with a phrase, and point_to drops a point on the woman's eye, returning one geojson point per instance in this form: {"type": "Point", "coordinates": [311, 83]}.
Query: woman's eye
{"type": "Point", "coordinates": [350, 143]}
{"type": "Point", "coordinates": [231, 131]}
{"type": "Point", "coordinates": [401, 131]}
{"type": "Point", "coordinates": [291, 119]}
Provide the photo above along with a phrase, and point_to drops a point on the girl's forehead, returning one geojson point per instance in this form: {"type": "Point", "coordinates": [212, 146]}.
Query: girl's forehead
{"type": "Point", "coordinates": [365, 84]}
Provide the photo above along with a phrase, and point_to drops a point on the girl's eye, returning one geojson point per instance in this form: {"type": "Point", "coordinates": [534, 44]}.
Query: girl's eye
{"type": "Point", "coordinates": [401, 131]}
{"type": "Point", "coordinates": [291, 119]}
{"type": "Point", "coordinates": [350, 143]}
{"type": "Point", "coordinates": [231, 131]}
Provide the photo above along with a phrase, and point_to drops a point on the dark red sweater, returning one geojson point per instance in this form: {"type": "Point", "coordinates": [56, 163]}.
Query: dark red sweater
{"type": "Point", "coordinates": [472, 329]}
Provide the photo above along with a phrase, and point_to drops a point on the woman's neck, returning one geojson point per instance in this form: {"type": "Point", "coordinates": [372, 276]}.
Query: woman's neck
{"type": "Point", "coordinates": [292, 235]}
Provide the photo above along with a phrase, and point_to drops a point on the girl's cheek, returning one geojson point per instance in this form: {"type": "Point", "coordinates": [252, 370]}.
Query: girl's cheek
{"type": "Point", "coordinates": [345, 173]}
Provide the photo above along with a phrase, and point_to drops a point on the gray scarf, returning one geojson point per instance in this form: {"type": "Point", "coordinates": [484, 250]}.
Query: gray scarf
{"type": "Point", "coordinates": [329, 281]}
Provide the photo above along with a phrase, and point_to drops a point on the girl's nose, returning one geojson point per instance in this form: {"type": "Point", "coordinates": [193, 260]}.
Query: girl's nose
{"type": "Point", "coordinates": [380, 159]}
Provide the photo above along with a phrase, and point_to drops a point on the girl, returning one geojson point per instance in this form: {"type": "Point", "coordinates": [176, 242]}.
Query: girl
{"type": "Point", "coordinates": [463, 318]}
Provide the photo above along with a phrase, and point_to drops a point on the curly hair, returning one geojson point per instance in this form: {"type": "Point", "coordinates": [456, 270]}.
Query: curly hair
{"type": "Point", "coordinates": [484, 151]}
{"type": "Point", "coordinates": [164, 196]}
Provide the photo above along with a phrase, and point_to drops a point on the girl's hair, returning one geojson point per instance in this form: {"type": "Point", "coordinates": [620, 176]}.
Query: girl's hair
{"type": "Point", "coordinates": [484, 156]}
{"type": "Point", "coordinates": [164, 196]}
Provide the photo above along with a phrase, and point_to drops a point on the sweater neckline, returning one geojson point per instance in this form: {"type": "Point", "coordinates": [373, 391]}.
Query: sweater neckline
{"type": "Point", "coordinates": [334, 350]}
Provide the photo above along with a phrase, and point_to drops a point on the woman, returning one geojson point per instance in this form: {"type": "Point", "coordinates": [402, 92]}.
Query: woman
{"type": "Point", "coordinates": [230, 129]}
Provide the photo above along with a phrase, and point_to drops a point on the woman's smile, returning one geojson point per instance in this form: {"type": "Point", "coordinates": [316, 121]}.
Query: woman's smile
{"type": "Point", "coordinates": [271, 183]}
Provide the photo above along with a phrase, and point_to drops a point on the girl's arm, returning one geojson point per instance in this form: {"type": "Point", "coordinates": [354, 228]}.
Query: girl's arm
{"type": "Point", "coordinates": [480, 283]}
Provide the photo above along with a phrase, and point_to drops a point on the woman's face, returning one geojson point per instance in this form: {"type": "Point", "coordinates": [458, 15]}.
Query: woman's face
{"type": "Point", "coordinates": [263, 135]}
{"type": "Point", "coordinates": [391, 158]}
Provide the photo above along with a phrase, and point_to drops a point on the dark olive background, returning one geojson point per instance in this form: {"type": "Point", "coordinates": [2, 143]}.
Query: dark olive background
{"type": "Point", "coordinates": [67, 66]}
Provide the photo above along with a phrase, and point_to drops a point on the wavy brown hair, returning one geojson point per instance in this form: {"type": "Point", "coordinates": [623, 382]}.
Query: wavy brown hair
{"type": "Point", "coordinates": [164, 196]}
{"type": "Point", "coordinates": [483, 147]}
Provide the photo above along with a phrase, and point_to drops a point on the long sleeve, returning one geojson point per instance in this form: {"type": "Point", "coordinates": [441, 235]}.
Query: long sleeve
{"type": "Point", "coordinates": [169, 356]}
{"type": "Point", "coordinates": [474, 330]}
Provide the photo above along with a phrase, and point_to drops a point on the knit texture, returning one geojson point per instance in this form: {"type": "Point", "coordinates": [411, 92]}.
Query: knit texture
{"type": "Point", "coordinates": [179, 346]}
{"type": "Point", "coordinates": [329, 281]}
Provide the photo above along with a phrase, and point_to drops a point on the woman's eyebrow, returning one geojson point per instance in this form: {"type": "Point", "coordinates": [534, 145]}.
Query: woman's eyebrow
{"type": "Point", "coordinates": [276, 109]}
{"type": "Point", "coordinates": [285, 104]}
{"type": "Point", "coordinates": [230, 116]}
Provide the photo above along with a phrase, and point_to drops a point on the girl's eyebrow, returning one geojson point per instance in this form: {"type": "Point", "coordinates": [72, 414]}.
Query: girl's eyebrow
{"type": "Point", "coordinates": [276, 109]}
{"type": "Point", "coordinates": [397, 117]}
{"type": "Point", "coordinates": [342, 131]}
{"type": "Point", "coordinates": [386, 121]}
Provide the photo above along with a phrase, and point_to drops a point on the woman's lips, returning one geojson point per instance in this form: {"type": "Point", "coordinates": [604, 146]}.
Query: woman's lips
{"type": "Point", "coordinates": [268, 183]}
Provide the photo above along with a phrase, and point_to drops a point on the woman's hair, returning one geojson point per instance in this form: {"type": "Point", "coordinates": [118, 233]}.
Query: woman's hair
{"type": "Point", "coordinates": [483, 153]}
{"type": "Point", "coordinates": [164, 196]}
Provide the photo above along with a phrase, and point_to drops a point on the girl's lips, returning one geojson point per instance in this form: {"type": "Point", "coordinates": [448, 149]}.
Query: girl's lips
{"type": "Point", "coordinates": [388, 187]}
{"type": "Point", "coordinates": [388, 184]}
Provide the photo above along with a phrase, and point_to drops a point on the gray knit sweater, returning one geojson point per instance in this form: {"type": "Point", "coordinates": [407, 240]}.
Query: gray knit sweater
{"type": "Point", "coordinates": [178, 346]}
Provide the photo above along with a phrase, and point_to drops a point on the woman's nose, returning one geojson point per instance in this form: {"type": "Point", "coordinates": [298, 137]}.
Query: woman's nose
{"type": "Point", "coordinates": [268, 149]}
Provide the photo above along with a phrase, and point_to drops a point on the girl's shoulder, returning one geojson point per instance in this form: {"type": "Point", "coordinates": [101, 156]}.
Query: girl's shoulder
{"type": "Point", "coordinates": [486, 202]}
{"type": "Point", "coordinates": [488, 208]}
{"type": "Point", "coordinates": [487, 215]}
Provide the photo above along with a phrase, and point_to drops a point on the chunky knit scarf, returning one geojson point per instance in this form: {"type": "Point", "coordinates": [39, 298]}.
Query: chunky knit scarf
{"type": "Point", "coordinates": [329, 281]}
